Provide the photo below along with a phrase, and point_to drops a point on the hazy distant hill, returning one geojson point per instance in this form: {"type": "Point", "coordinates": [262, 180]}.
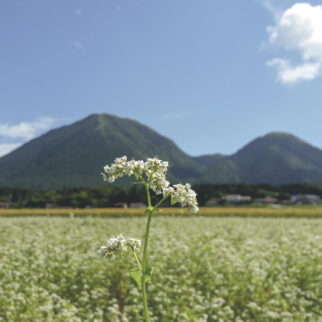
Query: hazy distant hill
{"type": "Point", "coordinates": [74, 155]}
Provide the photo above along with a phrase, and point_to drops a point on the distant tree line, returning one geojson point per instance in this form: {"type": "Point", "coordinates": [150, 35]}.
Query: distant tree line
{"type": "Point", "coordinates": [71, 197]}
{"type": "Point", "coordinates": [110, 195]}
{"type": "Point", "coordinates": [281, 192]}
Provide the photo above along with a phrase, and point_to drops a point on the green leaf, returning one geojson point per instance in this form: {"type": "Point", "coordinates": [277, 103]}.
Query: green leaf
{"type": "Point", "coordinates": [148, 274]}
{"type": "Point", "coordinates": [137, 276]}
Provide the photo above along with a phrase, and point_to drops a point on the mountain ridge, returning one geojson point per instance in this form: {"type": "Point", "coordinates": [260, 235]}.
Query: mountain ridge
{"type": "Point", "coordinates": [73, 151]}
{"type": "Point", "coordinates": [73, 155]}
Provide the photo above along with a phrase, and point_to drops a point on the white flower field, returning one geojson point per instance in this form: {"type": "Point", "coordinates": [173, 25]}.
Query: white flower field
{"type": "Point", "coordinates": [206, 269]}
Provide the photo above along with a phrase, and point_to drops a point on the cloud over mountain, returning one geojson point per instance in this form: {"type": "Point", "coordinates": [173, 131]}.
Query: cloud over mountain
{"type": "Point", "coordinates": [298, 30]}
{"type": "Point", "coordinates": [13, 135]}
{"type": "Point", "coordinates": [25, 130]}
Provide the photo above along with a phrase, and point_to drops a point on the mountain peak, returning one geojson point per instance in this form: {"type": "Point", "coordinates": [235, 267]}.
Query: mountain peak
{"type": "Point", "coordinates": [74, 155]}
{"type": "Point", "coordinates": [282, 136]}
{"type": "Point", "coordinates": [279, 157]}
{"type": "Point", "coordinates": [279, 134]}
{"type": "Point", "coordinates": [99, 117]}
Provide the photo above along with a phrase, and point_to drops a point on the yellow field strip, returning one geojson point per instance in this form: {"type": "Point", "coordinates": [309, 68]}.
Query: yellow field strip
{"type": "Point", "coordinates": [297, 211]}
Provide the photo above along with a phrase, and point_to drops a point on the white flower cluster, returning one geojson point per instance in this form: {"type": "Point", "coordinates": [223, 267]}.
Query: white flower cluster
{"type": "Point", "coordinates": [118, 246]}
{"type": "Point", "coordinates": [155, 172]}
{"type": "Point", "coordinates": [122, 167]}
{"type": "Point", "coordinates": [154, 169]}
{"type": "Point", "coordinates": [184, 195]}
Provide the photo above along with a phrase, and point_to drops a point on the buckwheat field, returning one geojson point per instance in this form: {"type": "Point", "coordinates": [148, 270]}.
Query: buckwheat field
{"type": "Point", "coordinates": [207, 269]}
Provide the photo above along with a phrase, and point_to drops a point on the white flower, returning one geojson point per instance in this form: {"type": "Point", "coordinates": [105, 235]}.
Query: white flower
{"type": "Point", "coordinates": [154, 171]}
{"type": "Point", "coordinates": [184, 195]}
{"type": "Point", "coordinates": [118, 246]}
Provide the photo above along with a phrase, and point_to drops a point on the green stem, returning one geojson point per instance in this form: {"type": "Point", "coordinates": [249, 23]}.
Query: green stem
{"type": "Point", "coordinates": [161, 201]}
{"type": "Point", "coordinates": [147, 188]}
{"type": "Point", "coordinates": [145, 251]}
{"type": "Point", "coordinates": [145, 303]}
{"type": "Point", "coordinates": [146, 240]}
{"type": "Point", "coordinates": [137, 260]}
{"type": "Point", "coordinates": [149, 210]}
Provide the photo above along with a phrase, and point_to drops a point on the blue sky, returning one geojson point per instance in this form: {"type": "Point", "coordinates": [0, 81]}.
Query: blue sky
{"type": "Point", "coordinates": [210, 75]}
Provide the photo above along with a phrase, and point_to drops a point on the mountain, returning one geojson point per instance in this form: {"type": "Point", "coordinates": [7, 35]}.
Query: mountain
{"type": "Point", "coordinates": [74, 155]}
{"type": "Point", "coordinates": [276, 158]}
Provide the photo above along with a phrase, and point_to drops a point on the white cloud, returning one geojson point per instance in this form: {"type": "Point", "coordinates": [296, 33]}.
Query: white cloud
{"type": "Point", "coordinates": [5, 148]}
{"type": "Point", "coordinates": [291, 74]}
{"type": "Point", "coordinates": [25, 130]}
{"type": "Point", "coordinates": [298, 29]}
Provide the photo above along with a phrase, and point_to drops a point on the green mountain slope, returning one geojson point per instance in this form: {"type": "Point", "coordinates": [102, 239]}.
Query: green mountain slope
{"type": "Point", "coordinates": [74, 155]}
{"type": "Point", "coordinates": [275, 158]}
{"type": "Point", "coordinates": [279, 158]}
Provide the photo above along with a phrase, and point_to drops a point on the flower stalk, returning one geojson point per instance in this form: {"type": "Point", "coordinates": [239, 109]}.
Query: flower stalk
{"type": "Point", "coordinates": [152, 175]}
{"type": "Point", "coordinates": [145, 254]}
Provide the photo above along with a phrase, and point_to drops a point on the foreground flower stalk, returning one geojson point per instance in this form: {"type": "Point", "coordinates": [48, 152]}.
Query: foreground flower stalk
{"type": "Point", "coordinates": [151, 174]}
